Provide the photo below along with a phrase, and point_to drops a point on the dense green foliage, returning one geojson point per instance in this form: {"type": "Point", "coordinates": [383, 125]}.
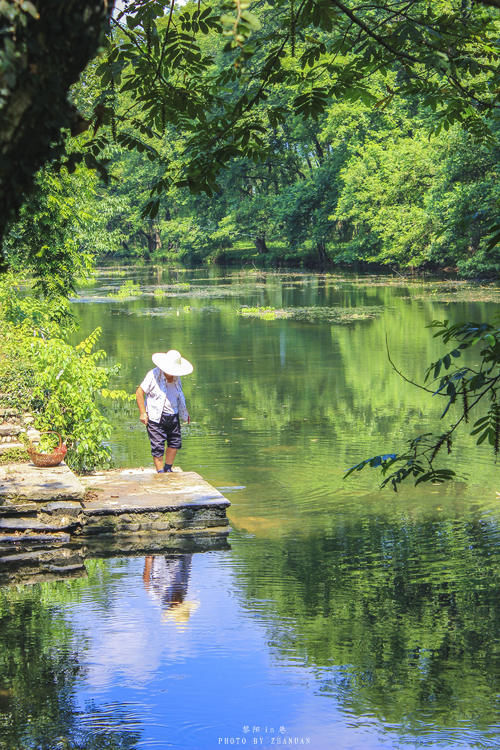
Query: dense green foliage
{"type": "Point", "coordinates": [60, 384]}
{"type": "Point", "coordinates": [62, 229]}
{"type": "Point", "coordinates": [310, 134]}
{"type": "Point", "coordinates": [298, 134]}
{"type": "Point", "coordinates": [44, 46]}
{"type": "Point", "coordinates": [321, 133]}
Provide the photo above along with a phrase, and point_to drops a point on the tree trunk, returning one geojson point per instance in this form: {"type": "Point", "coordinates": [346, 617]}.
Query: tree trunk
{"type": "Point", "coordinates": [260, 244]}
{"type": "Point", "coordinates": [475, 238]}
{"type": "Point", "coordinates": [319, 149]}
{"type": "Point", "coordinates": [322, 254]}
{"type": "Point", "coordinates": [153, 241]}
{"type": "Point", "coordinates": [48, 54]}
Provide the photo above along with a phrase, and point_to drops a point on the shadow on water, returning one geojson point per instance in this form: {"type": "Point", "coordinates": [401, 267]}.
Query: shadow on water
{"type": "Point", "coordinates": [398, 618]}
{"type": "Point", "coordinates": [41, 666]}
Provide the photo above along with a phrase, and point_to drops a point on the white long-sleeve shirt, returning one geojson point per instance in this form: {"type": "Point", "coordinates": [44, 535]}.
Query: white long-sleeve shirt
{"type": "Point", "coordinates": [162, 396]}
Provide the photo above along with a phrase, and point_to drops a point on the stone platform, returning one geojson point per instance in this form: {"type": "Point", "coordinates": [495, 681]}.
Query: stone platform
{"type": "Point", "coordinates": [140, 500]}
{"type": "Point", "coordinates": [51, 521]}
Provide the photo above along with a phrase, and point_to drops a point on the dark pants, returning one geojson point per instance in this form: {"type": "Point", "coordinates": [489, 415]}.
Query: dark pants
{"type": "Point", "coordinates": [167, 430]}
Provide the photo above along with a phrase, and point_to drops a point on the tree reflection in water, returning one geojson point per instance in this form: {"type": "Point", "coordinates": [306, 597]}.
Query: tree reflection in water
{"type": "Point", "coordinates": [40, 664]}
{"type": "Point", "coordinates": [398, 621]}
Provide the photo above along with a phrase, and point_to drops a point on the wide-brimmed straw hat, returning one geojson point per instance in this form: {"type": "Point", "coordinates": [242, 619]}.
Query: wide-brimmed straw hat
{"type": "Point", "coordinates": [172, 363]}
{"type": "Point", "coordinates": [180, 612]}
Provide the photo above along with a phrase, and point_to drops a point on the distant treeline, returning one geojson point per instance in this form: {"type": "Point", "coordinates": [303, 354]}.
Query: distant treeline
{"type": "Point", "coordinates": [359, 187]}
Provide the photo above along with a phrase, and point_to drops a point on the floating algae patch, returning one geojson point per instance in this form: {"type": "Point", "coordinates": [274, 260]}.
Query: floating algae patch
{"type": "Point", "coordinates": [461, 293]}
{"type": "Point", "coordinates": [264, 313]}
{"type": "Point", "coordinates": [312, 314]}
{"type": "Point", "coordinates": [126, 291]}
{"type": "Point", "coordinates": [165, 312]}
{"type": "Point", "coordinates": [207, 292]}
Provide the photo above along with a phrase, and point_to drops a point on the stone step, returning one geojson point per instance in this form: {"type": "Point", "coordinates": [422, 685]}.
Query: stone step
{"type": "Point", "coordinates": [61, 508]}
{"type": "Point", "coordinates": [9, 509]}
{"type": "Point", "coordinates": [4, 447]}
{"type": "Point", "coordinates": [11, 433]}
{"type": "Point", "coordinates": [7, 411]}
{"type": "Point", "coordinates": [33, 524]}
{"type": "Point", "coordinates": [8, 429]}
{"type": "Point", "coordinates": [30, 483]}
{"type": "Point", "coordinates": [45, 511]}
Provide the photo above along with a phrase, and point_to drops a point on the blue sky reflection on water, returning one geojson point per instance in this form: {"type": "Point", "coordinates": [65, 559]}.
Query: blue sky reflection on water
{"type": "Point", "coordinates": [215, 678]}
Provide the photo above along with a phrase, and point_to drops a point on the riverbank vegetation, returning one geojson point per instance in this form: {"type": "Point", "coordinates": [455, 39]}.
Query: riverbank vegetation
{"type": "Point", "coordinates": [358, 188]}
{"type": "Point", "coordinates": [60, 384]}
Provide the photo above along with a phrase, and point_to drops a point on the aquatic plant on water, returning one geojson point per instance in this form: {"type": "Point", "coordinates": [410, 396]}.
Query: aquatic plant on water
{"type": "Point", "coordinates": [327, 314]}
{"type": "Point", "coordinates": [128, 289]}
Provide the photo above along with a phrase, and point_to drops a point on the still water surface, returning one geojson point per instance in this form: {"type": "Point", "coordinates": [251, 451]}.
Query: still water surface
{"type": "Point", "coordinates": [342, 617]}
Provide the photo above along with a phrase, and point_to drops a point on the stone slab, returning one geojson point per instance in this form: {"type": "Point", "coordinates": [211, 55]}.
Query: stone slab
{"type": "Point", "coordinates": [33, 540]}
{"type": "Point", "coordinates": [26, 482]}
{"type": "Point", "coordinates": [145, 491]}
{"type": "Point", "coordinates": [10, 509]}
{"type": "Point", "coordinates": [115, 524]}
{"type": "Point", "coordinates": [70, 507]}
{"type": "Point", "coordinates": [33, 524]}
{"type": "Point", "coordinates": [10, 429]}
{"type": "Point", "coordinates": [121, 503]}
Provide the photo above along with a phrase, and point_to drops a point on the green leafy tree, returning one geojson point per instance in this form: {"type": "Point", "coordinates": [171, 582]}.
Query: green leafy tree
{"type": "Point", "coordinates": [442, 54]}
{"type": "Point", "coordinates": [44, 47]}
{"type": "Point", "coordinates": [62, 227]}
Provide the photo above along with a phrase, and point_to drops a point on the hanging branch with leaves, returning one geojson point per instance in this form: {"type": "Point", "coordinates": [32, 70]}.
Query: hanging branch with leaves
{"type": "Point", "coordinates": [465, 387]}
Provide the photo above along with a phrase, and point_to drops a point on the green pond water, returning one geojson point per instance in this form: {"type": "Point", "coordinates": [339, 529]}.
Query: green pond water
{"type": "Point", "coordinates": [343, 616]}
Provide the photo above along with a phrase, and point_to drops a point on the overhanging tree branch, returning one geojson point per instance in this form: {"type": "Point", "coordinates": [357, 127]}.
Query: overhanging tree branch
{"type": "Point", "coordinates": [373, 35]}
{"type": "Point", "coordinates": [50, 47]}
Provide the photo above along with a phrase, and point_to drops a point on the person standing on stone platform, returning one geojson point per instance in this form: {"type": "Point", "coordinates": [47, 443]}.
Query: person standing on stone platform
{"type": "Point", "coordinates": [162, 405]}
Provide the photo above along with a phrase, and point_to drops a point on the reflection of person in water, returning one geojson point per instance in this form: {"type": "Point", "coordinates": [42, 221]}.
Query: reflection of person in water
{"type": "Point", "coordinates": [166, 578]}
